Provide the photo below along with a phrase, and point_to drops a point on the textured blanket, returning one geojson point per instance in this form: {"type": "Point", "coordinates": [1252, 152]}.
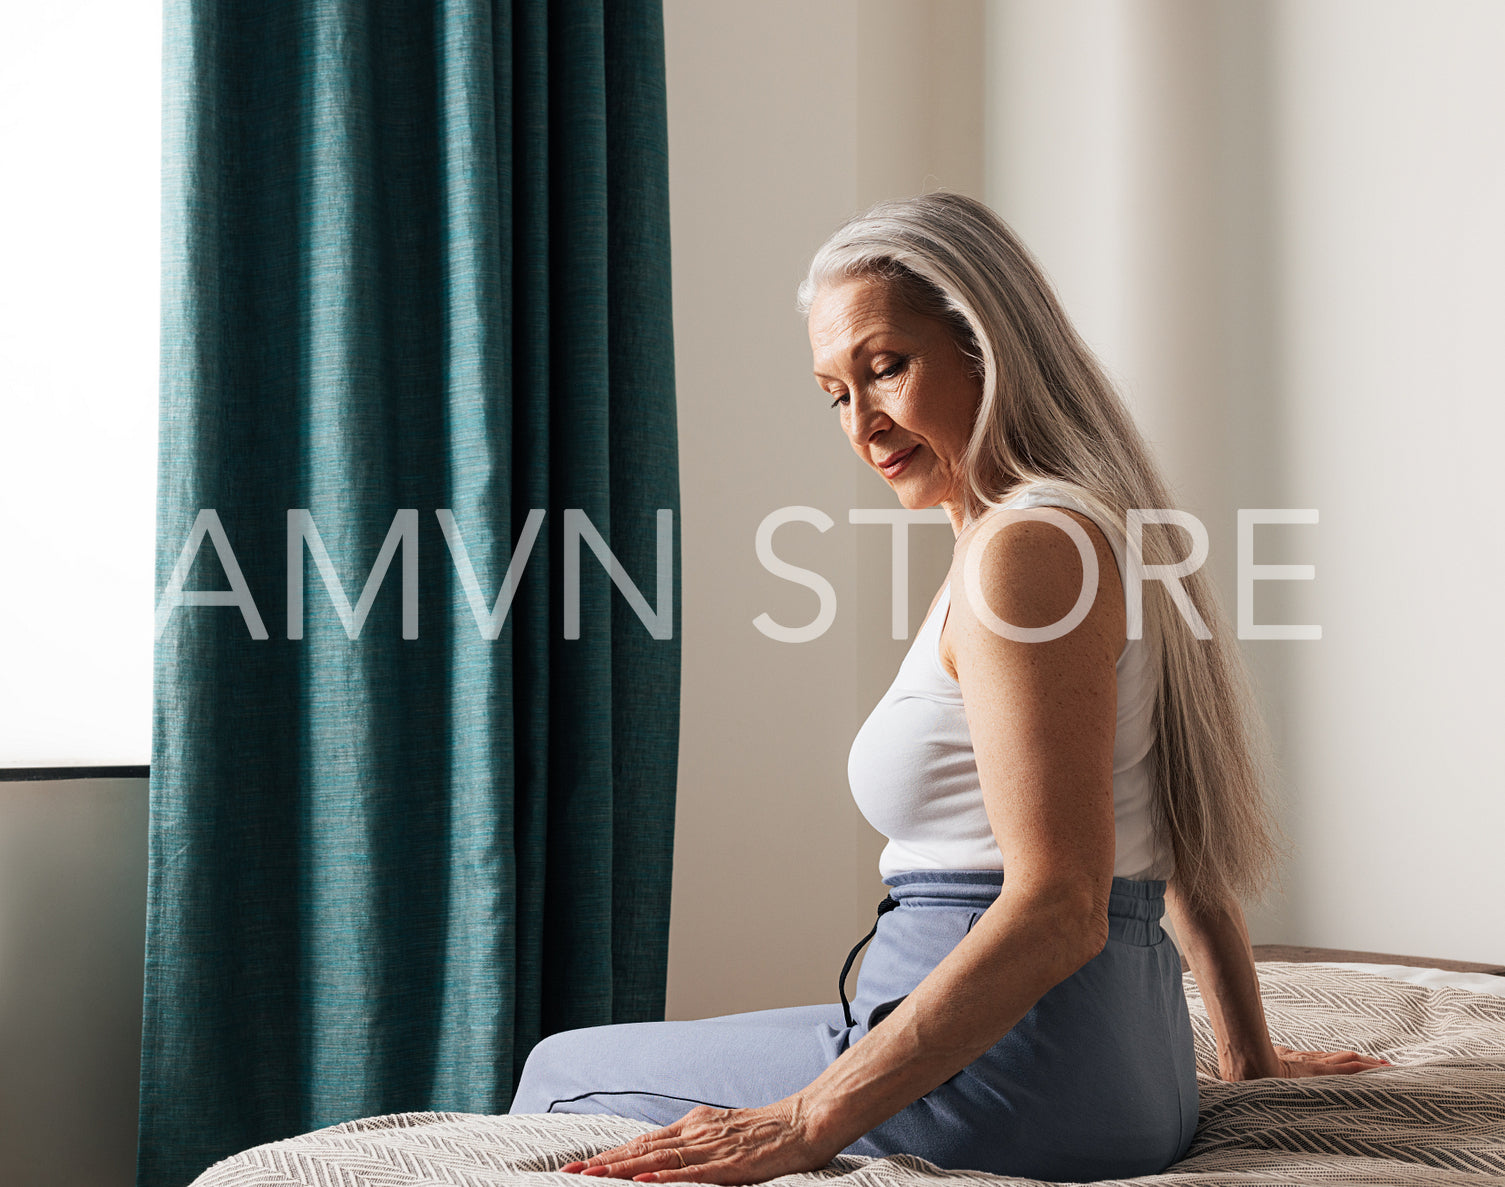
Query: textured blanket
{"type": "Point", "coordinates": [1437, 1117]}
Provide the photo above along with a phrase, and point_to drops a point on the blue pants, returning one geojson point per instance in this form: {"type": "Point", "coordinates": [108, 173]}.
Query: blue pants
{"type": "Point", "coordinates": [1097, 1081]}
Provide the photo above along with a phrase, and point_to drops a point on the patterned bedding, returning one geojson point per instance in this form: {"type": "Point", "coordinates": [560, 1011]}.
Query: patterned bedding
{"type": "Point", "coordinates": [1438, 1117]}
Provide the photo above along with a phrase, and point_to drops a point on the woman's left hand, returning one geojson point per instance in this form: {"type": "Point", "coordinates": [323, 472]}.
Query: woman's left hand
{"type": "Point", "coordinates": [1324, 1063]}
{"type": "Point", "coordinates": [710, 1145]}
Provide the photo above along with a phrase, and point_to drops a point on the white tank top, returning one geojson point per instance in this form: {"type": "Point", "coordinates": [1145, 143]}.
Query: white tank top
{"type": "Point", "coordinates": [914, 775]}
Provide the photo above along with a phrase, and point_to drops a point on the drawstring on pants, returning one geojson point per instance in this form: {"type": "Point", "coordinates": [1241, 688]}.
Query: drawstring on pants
{"type": "Point", "coordinates": [887, 905]}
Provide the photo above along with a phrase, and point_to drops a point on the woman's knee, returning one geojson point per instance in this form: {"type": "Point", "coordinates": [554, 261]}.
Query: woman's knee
{"type": "Point", "coordinates": [548, 1071]}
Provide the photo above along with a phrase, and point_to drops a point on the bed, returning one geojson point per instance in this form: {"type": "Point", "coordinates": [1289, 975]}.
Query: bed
{"type": "Point", "coordinates": [1436, 1117]}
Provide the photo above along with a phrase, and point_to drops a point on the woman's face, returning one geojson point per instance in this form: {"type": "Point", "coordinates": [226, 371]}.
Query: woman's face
{"type": "Point", "coordinates": [906, 394]}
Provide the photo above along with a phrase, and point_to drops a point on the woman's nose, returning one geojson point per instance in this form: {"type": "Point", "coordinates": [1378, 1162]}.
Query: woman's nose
{"type": "Point", "coordinates": [867, 418]}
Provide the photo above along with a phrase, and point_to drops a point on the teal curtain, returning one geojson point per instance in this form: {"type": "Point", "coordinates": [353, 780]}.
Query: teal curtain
{"type": "Point", "coordinates": [415, 260]}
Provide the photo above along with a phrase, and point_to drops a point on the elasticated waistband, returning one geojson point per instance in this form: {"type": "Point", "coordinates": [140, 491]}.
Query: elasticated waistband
{"type": "Point", "coordinates": [1135, 905]}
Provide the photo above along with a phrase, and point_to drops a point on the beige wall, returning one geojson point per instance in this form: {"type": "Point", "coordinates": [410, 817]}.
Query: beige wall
{"type": "Point", "coordinates": [1389, 309]}
{"type": "Point", "coordinates": [764, 835]}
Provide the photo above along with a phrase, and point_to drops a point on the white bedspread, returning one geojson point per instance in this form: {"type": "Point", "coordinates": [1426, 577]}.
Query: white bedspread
{"type": "Point", "coordinates": [1436, 1118]}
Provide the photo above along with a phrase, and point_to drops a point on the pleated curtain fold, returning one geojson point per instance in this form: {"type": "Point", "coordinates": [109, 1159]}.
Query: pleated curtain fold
{"type": "Point", "coordinates": [416, 329]}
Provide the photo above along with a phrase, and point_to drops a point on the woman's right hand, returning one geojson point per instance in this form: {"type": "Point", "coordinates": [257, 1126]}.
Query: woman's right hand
{"type": "Point", "coordinates": [711, 1145]}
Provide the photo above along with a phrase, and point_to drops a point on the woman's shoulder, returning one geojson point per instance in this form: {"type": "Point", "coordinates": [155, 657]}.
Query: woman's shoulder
{"type": "Point", "coordinates": [1029, 527]}
{"type": "Point", "coordinates": [1028, 569]}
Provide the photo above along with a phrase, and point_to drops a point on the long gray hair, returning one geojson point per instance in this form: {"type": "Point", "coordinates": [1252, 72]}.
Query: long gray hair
{"type": "Point", "coordinates": [1049, 414]}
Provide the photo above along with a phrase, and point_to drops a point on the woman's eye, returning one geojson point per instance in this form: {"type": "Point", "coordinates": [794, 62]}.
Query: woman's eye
{"type": "Point", "coordinates": [841, 399]}
{"type": "Point", "coordinates": [892, 369]}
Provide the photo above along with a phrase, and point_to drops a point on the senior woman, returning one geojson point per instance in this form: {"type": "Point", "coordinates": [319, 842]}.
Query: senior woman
{"type": "Point", "coordinates": [1050, 782]}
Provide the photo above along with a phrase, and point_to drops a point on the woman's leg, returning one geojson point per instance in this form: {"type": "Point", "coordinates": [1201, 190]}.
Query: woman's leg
{"type": "Point", "coordinates": [1097, 1081]}
{"type": "Point", "coordinates": [658, 1071]}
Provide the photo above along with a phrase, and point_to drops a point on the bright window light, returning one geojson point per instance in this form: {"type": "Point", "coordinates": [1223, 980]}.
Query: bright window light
{"type": "Point", "coordinates": [80, 138]}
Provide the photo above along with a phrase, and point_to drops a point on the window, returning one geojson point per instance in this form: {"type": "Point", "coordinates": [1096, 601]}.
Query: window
{"type": "Point", "coordinates": [80, 120]}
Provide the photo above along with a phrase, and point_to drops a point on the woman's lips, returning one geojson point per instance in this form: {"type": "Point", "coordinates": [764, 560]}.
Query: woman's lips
{"type": "Point", "coordinates": [898, 462]}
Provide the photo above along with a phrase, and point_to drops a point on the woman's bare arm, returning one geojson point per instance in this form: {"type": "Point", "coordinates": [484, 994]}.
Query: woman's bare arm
{"type": "Point", "coordinates": [1216, 945]}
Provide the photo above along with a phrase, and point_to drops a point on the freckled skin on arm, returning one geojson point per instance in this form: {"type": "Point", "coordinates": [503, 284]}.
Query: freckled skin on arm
{"type": "Point", "coordinates": [1042, 715]}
